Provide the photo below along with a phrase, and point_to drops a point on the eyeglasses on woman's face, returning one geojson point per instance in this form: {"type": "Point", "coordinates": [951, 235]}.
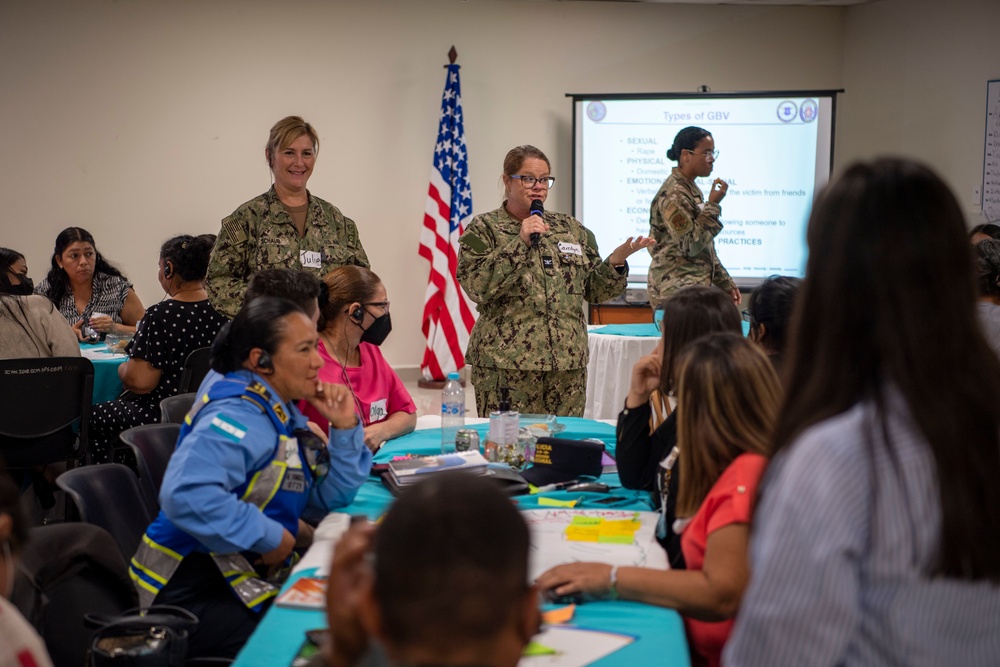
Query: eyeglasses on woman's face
{"type": "Point", "coordinates": [529, 181]}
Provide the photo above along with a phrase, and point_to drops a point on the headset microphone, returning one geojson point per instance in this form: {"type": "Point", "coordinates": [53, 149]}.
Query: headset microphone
{"type": "Point", "coordinates": [539, 210]}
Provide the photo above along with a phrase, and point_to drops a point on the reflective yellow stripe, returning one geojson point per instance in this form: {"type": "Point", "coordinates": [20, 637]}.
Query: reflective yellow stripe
{"type": "Point", "coordinates": [159, 547]}
{"type": "Point", "coordinates": [239, 580]}
{"type": "Point", "coordinates": [152, 575]}
{"type": "Point", "coordinates": [265, 484]}
{"type": "Point", "coordinates": [144, 584]}
{"type": "Point", "coordinates": [253, 603]}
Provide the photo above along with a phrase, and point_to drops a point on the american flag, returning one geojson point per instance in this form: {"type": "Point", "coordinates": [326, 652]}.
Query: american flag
{"type": "Point", "coordinates": [448, 313]}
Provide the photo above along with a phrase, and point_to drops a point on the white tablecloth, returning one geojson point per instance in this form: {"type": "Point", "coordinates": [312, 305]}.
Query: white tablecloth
{"type": "Point", "coordinates": [610, 370]}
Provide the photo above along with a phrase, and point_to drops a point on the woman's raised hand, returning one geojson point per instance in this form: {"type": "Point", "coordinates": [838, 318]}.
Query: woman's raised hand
{"type": "Point", "coordinates": [645, 379]}
{"type": "Point", "coordinates": [336, 403]}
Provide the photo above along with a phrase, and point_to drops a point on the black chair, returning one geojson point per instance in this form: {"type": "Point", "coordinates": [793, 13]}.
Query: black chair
{"type": "Point", "coordinates": [196, 367]}
{"type": "Point", "coordinates": [108, 496]}
{"type": "Point", "coordinates": [153, 445]}
{"type": "Point", "coordinates": [43, 401]}
{"type": "Point", "coordinates": [68, 570]}
{"type": "Point", "coordinates": [173, 409]}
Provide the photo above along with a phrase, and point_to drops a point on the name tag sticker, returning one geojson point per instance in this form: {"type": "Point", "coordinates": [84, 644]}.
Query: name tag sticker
{"type": "Point", "coordinates": [378, 411]}
{"type": "Point", "coordinates": [570, 249]}
{"type": "Point", "coordinates": [294, 481]}
{"type": "Point", "coordinates": [292, 458]}
{"type": "Point", "coordinates": [310, 259]}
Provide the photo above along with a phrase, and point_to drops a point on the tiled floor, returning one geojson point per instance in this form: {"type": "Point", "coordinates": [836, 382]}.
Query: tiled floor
{"type": "Point", "coordinates": [429, 400]}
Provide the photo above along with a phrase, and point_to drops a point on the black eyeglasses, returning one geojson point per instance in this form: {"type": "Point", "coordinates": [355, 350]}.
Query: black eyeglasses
{"type": "Point", "coordinates": [379, 304]}
{"type": "Point", "coordinates": [529, 181]}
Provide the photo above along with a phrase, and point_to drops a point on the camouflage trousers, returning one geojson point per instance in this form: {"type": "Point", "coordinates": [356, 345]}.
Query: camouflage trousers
{"type": "Point", "coordinates": [562, 393]}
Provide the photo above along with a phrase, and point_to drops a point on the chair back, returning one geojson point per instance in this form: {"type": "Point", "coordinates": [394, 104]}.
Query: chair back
{"type": "Point", "coordinates": [108, 496]}
{"type": "Point", "coordinates": [153, 445]}
{"type": "Point", "coordinates": [173, 409]}
{"type": "Point", "coordinates": [68, 570]}
{"type": "Point", "coordinates": [196, 367]}
{"type": "Point", "coordinates": [43, 399]}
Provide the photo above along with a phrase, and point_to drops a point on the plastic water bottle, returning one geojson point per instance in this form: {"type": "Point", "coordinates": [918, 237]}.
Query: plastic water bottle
{"type": "Point", "coordinates": [452, 412]}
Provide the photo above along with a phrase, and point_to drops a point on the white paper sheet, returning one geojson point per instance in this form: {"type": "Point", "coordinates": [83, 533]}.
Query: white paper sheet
{"type": "Point", "coordinates": [574, 647]}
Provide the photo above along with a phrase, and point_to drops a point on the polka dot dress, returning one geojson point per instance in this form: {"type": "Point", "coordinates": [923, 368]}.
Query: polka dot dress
{"type": "Point", "coordinates": [166, 335]}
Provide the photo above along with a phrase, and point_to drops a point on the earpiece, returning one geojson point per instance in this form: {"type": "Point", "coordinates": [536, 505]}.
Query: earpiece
{"type": "Point", "coordinates": [264, 361]}
{"type": "Point", "coordinates": [357, 314]}
{"type": "Point", "coordinates": [168, 270]}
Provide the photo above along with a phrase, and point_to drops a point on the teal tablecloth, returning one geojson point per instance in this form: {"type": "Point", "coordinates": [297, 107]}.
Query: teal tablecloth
{"type": "Point", "coordinates": [107, 386]}
{"type": "Point", "coordinates": [659, 632]}
{"type": "Point", "coordinates": [648, 329]}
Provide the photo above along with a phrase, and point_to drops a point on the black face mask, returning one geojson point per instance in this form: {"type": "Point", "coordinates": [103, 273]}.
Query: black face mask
{"type": "Point", "coordinates": [26, 288]}
{"type": "Point", "coordinates": [378, 331]}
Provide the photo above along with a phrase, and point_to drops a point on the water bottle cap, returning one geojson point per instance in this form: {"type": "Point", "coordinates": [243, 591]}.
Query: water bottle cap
{"type": "Point", "coordinates": [453, 375]}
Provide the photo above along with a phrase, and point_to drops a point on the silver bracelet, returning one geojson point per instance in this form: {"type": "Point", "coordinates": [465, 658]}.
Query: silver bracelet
{"type": "Point", "coordinates": [613, 582]}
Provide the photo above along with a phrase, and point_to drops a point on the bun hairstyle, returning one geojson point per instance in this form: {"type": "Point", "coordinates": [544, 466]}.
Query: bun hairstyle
{"type": "Point", "coordinates": [346, 285]}
{"type": "Point", "coordinates": [259, 324]}
{"type": "Point", "coordinates": [991, 230]}
{"type": "Point", "coordinates": [188, 255]}
{"type": "Point", "coordinates": [686, 139]}
{"type": "Point", "coordinates": [988, 267]}
{"type": "Point", "coordinates": [771, 304]}
{"type": "Point", "coordinates": [57, 278]}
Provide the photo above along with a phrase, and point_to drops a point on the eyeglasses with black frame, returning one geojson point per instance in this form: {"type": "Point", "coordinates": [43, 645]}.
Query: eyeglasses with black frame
{"type": "Point", "coordinates": [380, 304]}
{"type": "Point", "coordinates": [529, 181]}
{"type": "Point", "coordinates": [708, 155]}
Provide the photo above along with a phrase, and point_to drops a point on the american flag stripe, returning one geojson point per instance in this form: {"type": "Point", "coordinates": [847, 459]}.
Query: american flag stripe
{"type": "Point", "coordinates": [448, 313]}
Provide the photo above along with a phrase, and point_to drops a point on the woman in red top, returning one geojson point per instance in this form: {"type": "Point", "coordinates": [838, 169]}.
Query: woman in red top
{"type": "Point", "coordinates": [728, 399]}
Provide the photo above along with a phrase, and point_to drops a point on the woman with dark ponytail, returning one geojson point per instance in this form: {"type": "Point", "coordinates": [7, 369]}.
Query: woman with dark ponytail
{"type": "Point", "coordinates": [166, 335]}
{"type": "Point", "coordinates": [87, 289]}
{"type": "Point", "coordinates": [684, 225]}
{"type": "Point", "coordinates": [245, 469]}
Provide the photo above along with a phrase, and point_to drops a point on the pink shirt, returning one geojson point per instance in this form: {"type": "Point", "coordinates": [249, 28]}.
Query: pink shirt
{"type": "Point", "coordinates": [377, 388]}
{"type": "Point", "coordinates": [729, 501]}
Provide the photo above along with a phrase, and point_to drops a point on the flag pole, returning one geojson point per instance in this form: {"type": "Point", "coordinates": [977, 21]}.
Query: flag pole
{"type": "Point", "coordinates": [449, 314]}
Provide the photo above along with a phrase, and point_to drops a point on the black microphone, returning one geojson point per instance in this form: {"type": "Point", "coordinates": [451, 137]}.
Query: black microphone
{"type": "Point", "coordinates": [539, 210]}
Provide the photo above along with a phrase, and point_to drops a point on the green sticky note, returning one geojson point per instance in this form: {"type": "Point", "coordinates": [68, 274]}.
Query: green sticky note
{"type": "Point", "coordinates": [615, 539]}
{"type": "Point", "coordinates": [586, 521]}
{"type": "Point", "coordinates": [534, 648]}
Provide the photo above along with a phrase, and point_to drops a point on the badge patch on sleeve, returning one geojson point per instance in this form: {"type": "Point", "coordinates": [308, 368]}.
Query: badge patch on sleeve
{"type": "Point", "coordinates": [678, 220]}
{"type": "Point", "coordinates": [230, 428]}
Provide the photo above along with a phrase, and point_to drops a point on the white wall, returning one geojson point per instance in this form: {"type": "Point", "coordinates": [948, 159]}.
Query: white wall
{"type": "Point", "coordinates": [915, 74]}
{"type": "Point", "coordinates": [141, 119]}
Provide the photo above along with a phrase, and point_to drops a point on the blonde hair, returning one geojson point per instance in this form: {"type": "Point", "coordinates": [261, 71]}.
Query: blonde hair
{"type": "Point", "coordinates": [287, 130]}
{"type": "Point", "coordinates": [728, 401]}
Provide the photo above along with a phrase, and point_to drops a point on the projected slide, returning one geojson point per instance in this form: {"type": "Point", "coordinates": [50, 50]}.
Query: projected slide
{"type": "Point", "coordinates": [773, 151]}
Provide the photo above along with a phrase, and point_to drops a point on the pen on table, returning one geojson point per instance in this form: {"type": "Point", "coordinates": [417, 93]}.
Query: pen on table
{"type": "Point", "coordinates": [558, 486]}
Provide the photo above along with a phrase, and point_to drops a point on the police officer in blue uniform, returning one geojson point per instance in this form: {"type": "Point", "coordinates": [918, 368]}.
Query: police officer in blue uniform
{"type": "Point", "coordinates": [245, 469]}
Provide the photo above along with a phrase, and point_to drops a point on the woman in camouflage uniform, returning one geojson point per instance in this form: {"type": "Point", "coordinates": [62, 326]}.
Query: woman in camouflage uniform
{"type": "Point", "coordinates": [531, 334]}
{"type": "Point", "coordinates": [286, 227]}
{"type": "Point", "coordinates": [684, 225]}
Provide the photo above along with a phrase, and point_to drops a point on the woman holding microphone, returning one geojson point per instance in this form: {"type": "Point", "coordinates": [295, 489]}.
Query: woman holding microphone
{"type": "Point", "coordinates": [684, 225]}
{"type": "Point", "coordinates": [530, 271]}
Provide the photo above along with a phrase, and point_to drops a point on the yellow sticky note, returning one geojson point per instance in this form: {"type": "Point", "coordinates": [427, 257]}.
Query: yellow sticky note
{"type": "Point", "coordinates": [583, 533]}
{"type": "Point", "coordinates": [545, 501]}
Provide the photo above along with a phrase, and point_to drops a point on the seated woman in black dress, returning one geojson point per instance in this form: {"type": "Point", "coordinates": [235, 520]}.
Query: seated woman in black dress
{"type": "Point", "coordinates": [169, 331]}
{"type": "Point", "coordinates": [688, 314]}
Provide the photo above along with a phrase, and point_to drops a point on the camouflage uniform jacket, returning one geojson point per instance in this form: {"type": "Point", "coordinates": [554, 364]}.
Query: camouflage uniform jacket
{"type": "Point", "coordinates": [531, 300]}
{"type": "Point", "coordinates": [260, 234]}
{"type": "Point", "coordinates": [684, 227]}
